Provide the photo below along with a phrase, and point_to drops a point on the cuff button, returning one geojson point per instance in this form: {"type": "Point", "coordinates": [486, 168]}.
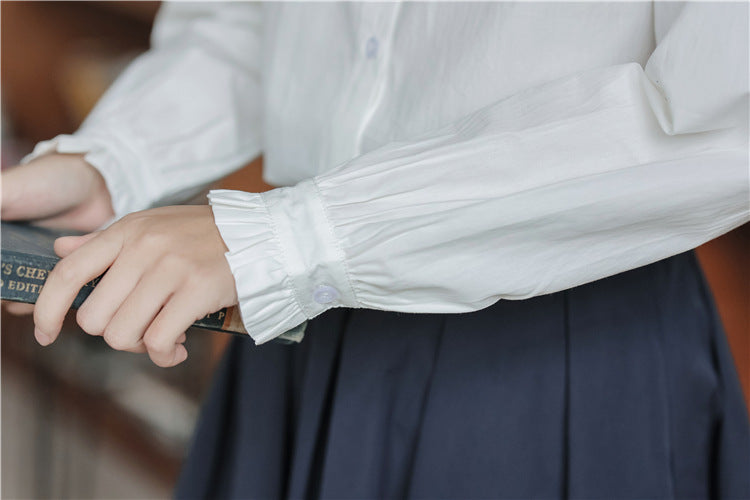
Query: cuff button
{"type": "Point", "coordinates": [325, 294]}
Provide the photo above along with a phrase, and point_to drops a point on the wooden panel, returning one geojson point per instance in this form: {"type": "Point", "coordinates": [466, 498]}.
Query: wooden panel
{"type": "Point", "coordinates": [37, 36]}
{"type": "Point", "coordinates": [726, 262]}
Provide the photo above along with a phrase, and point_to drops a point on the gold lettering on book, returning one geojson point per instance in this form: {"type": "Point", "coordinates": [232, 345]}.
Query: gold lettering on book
{"type": "Point", "coordinates": [7, 268]}
{"type": "Point", "coordinates": [22, 286]}
{"type": "Point", "coordinates": [33, 273]}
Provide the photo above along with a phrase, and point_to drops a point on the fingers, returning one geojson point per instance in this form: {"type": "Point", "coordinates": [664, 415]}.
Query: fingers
{"type": "Point", "coordinates": [63, 247]}
{"type": "Point", "coordinates": [56, 190]}
{"type": "Point", "coordinates": [18, 308]}
{"type": "Point", "coordinates": [165, 267]}
{"type": "Point", "coordinates": [87, 216]}
{"type": "Point", "coordinates": [41, 188]}
{"type": "Point", "coordinates": [119, 282]}
{"type": "Point", "coordinates": [13, 194]}
{"type": "Point", "coordinates": [135, 308]}
{"type": "Point", "coordinates": [66, 245]}
{"type": "Point", "coordinates": [163, 336]}
{"type": "Point", "coordinates": [65, 281]}
{"type": "Point", "coordinates": [139, 308]}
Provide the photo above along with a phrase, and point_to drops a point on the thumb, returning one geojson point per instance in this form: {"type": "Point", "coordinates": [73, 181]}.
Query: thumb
{"type": "Point", "coordinates": [66, 245]}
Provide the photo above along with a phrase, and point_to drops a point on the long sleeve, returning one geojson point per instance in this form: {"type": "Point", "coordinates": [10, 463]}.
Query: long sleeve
{"type": "Point", "coordinates": [562, 184]}
{"type": "Point", "coordinates": [183, 114]}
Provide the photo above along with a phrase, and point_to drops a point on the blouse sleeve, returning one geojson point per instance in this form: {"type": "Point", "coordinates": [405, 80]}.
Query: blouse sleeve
{"type": "Point", "coordinates": [183, 114]}
{"type": "Point", "coordinates": [557, 186]}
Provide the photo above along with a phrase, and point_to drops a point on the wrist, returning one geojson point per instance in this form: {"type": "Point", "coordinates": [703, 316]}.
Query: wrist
{"type": "Point", "coordinates": [283, 255]}
{"type": "Point", "coordinates": [128, 186]}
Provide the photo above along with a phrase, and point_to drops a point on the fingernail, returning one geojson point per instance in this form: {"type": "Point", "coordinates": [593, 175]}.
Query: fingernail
{"type": "Point", "coordinates": [41, 338]}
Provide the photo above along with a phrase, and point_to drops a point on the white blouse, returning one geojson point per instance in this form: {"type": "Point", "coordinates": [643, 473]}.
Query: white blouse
{"type": "Point", "coordinates": [438, 156]}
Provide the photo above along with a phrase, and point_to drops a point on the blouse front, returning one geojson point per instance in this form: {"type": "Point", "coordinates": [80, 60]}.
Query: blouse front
{"type": "Point", "coordinates": [435, 157]}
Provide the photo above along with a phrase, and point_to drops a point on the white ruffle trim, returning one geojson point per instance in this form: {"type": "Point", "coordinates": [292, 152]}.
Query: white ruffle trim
{"type": "Point", "coordinates": [266, 294]}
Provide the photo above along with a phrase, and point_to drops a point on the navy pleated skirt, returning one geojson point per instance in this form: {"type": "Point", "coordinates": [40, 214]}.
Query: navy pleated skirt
{"type": "Point", "coordinates": [619, 389]}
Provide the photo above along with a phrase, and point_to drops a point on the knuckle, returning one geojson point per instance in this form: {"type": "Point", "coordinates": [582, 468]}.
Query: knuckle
{"type": "Point", "coordinates": [88, 322]}
{"type": "Point", "coordinates": [131, 224]}
{"type": "Point", "coordinates": [155, 344]}
{"type": "Point", "coordinates": [174, 261]}
{"type": "Point", "coordinates": [118, 341]}
{"type": "Point", "coordinates": [65, 271]}
{"type": "Point", "coordinates": [151, 240]}
{"type": "Point", "coordinates": [197, 279]}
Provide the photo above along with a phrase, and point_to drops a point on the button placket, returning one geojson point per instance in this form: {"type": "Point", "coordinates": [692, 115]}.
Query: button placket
{"type": "Point", "coordinates": [359, 101]}
{"type": "Point", "coordinates": [371, 47]}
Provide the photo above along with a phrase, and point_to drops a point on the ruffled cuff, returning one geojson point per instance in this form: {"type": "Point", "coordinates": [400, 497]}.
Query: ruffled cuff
{"type": "Point", "coordinates": [285, 260]}
{"type": "Point", "coordinates": [125, 175]}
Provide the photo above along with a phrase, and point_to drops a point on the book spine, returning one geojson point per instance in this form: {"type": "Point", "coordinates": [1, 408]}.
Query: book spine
{"type": "Point", "coordinates": [22, 278]}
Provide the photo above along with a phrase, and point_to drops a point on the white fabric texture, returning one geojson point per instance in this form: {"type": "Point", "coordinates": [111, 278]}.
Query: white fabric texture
{"type": "Point", "coordinates": [437, 157]}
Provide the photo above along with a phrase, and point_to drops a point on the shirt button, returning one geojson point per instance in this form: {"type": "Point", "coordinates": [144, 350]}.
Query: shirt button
{"type": "Point", "coordinates": [325, 294]}
{"type": "Point", "coordinates": [371, 47]}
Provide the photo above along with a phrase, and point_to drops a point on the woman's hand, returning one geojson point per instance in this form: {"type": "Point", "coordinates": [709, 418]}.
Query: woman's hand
{"type": "Point", "coordinates": [55, 190]}
{"type": "Point", "coordinates": [165, 269]}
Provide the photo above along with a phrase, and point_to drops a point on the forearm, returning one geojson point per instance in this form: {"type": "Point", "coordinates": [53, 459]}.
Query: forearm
{"type": "Point", "coordinates": [182, 115]}
{"type": "Point", "coordinates": [561, 184]}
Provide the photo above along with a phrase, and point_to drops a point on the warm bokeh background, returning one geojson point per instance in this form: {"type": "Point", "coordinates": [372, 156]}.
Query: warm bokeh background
{"type": "Point", "coordinates": [80, 420]}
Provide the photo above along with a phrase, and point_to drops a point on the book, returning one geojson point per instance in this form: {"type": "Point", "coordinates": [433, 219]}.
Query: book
{"type": "Point", "coordinates": [28, 257]}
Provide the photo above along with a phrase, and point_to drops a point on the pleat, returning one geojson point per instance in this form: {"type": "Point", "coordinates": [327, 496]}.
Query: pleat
{"type": "Point", "coordinates": [656, 410]}
{"type": "Point", "coordinates": [622, 388]}
{"type": "Point", "coordinates": [241, 443]}
{"type": "Point", "coordinates": [493, 425]}
{"type": "Point", "coordinates": [207, 456]}
{"type": "Point", "coordinates": [619, 441]}
{"type": "Point", "coordinates": [315, 374]}
{"type": "Point", "coordinates": [387, 361]}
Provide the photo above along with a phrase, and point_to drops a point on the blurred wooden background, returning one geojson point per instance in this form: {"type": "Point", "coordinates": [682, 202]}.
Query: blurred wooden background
{"type": "Point", "coordinates": [58, 57]}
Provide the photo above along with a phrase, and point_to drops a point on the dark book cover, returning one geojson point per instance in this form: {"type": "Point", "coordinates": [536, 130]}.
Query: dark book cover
{"type": "Point", "coordinates": [28, 256]}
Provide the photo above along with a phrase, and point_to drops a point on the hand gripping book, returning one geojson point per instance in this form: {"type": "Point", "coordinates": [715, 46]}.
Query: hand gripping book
{"type": "Point", "coordinates": [28, 257]}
